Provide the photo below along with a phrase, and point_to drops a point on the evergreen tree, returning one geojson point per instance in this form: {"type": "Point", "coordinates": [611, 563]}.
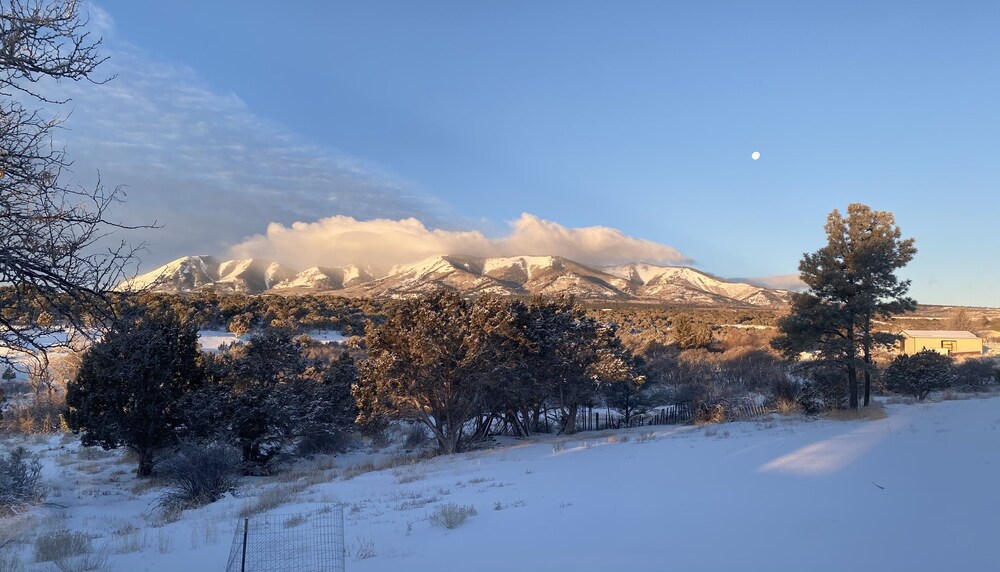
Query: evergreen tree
{"type": "Point", "coordinates": [690, 334]}
{"type": "Point", "coordinates": [266, 393]}
{"type": "Point", "coordinates": [851, 282]}
{"type": "Point", "coordinates": [261, 407]}
{"type": "Point", "coordinates": [920, 374]}
{"type": "Point", "coordinates": [623, 386]}
{"type": "Point", "coordinates": [433, 361]}
{"type": "Point", "coordinates": [326, 408]}
{"type": "Point", "coordinates": [130, 383]}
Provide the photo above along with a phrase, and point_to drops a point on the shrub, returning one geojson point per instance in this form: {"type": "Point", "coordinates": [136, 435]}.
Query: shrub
{"type": "Point", "coordinates": [824, 389]}
{"type": "Point", "coordinates": [324, 443]}
{"type": "Point", "coordinates": [61, 545]}
{"type": "Point", "coordinates": [416, 437]}
{"type": "Point", "coordinates": [199, 475]}
{"type": "Point", "coordinates": [20, 480]}
{"type": "Point", "coordinates": [976, 373]}
{"type": "Point", "coordinates": [452, 515]}
{"type": "Point", "coordinates": [920, 374]}
{"type": "Point", "coordinates": [709, 413]}
{"type": "Point", "coordinates": [785, 390]}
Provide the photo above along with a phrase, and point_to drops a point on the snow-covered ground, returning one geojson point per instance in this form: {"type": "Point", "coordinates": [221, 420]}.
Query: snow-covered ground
{"type": "Point", "coordinates": [915, 491]}
{"type": "Point", "coordinates": [210, 340]}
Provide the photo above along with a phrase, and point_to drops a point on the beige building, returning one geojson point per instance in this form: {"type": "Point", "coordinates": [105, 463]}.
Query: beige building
{"type": "Point", "coordinates": [942, 341]}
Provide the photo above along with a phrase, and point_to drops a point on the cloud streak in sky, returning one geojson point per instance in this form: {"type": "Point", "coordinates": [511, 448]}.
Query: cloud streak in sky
{"type": "Point", "coordinates": [341, 240]}
{"type": "Point", "coordinates": [790, 282]}
{"type": "Point", "coordinates": [201, 162]}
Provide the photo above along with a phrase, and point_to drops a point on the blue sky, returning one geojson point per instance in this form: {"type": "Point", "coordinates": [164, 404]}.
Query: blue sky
{"type": "Point", "coordinates": [639, 116]}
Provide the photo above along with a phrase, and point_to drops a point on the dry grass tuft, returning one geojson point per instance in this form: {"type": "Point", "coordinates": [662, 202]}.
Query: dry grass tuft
{"type": "Point", "coordinates": [61, 545]}
{"type": "Point", "coordinates": [787, 406]}
{"type": "Point", "coordinates": [404, 476]}
{"type": "Point", "coordinates": [294, 521]}
{"type": "Point", "coordinates": [451, 515]}
{"type": "Point", "coordinates": [366, 466]}
{"type": "Point", "coordinates": [870, 413]}
{"type": "Point", "coordinates": [391, 462]}
{"type": "Point", "coordinates": [645, 437]}
{"type": "Point", "coordinates": [365, 549]}
{"type": "Point", "coordinates": [128, 539]}
{"type": "Point", "coordinates": [146, 485]}
{"type": "Point", "coordinates": [271, 499]}
{"type": "Point", "coordinates": [93, 454]}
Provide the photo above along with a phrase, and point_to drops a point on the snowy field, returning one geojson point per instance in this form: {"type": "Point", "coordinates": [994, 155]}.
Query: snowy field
{"type": "Point", "coordinates": [210, 340]}
{"type": "Point", "coordinates": [917, 490]}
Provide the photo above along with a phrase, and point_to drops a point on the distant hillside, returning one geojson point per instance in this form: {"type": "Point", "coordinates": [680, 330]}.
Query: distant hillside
{"type": "Point", "coordinates": [513, 275]}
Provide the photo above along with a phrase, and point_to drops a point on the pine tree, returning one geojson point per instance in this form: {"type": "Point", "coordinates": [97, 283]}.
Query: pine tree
{"type": "Point", "coordinates": [130, 383]}
{"type": "Point", "coordinates": [852, 281]}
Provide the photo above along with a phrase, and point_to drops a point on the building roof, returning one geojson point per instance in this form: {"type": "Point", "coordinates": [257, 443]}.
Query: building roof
{"type": "Point", "coordinates": [943, 334]}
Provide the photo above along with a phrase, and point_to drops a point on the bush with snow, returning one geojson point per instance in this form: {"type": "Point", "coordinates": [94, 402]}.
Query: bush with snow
{"type": "Point", "coordinates": [20, 480]}
{"type": "Point", "coordinates": [199, 475]}
{"type": "Point", "coordinates": [920, 374]}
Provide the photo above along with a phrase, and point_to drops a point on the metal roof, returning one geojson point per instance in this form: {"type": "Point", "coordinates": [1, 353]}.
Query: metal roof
{"type": "Point", "coordinates": [944, 334]}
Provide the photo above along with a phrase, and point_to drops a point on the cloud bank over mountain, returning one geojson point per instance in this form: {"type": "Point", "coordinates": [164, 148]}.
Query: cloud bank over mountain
{"type": "Point", "coordinates": [342, 240]}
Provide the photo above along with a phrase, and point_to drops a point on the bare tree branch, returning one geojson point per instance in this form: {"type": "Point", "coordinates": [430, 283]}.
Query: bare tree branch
{"type": "Point", "coordinates": [55, 270]}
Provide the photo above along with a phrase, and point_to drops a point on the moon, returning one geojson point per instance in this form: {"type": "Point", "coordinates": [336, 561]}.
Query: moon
{"type": "Point", "coordinates": [755, 155]}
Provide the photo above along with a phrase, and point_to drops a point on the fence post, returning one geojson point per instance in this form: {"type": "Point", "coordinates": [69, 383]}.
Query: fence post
{"type": "Point", "coordinates": [246, 528]}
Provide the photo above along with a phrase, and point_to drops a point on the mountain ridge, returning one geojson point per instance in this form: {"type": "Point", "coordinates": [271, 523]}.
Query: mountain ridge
{"type": "Point", "coordinates": [507, 275]}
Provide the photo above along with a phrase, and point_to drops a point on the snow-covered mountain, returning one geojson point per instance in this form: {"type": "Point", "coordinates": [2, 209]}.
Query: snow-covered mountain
{"type": "Point", "coordinates": [251, 276]}
{"type": "Point", "coordinates": [192, 273]}
{"type": "Point", "coordinates": [182, 275]}
{"type": "Point", "coordinates": [325, 278]}
{"type": "Point", "coordinates": [683, 284]}
{"type": "Point", "coordinates": [511, 275]}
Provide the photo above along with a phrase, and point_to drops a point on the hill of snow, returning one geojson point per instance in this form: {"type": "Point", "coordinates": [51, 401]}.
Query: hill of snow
{"type": "Point", "coordinates": [915, 491]}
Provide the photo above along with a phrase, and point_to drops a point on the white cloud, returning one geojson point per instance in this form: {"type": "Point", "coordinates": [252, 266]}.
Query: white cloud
{"type": "Point", "coordinates": [341, 240]}
{"type": "Point", "coordinates": [100, 20]}
{"type": "Point", "coordinates": [790, 282]}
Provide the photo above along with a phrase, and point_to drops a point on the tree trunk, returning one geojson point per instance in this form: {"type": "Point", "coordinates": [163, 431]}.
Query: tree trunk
{"type": "Point", "coordinates": [868, 359]}
{"type": "Point", "coordinates": [852, 370]}
{"type": "Point", "coordinates": [449, 442]}
{"type": "Point", "coordinates": [868, 386]}
{"type": "Point", "coordinates": [569, 422]}
{"type": "Point", "coordinates": [145, 467]}
{"type": "Point", "coordinates": [852, 385]}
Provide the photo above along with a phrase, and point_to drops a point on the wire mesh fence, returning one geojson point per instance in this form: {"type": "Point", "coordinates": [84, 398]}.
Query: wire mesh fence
{"type": "Point", "coordinates": [305, 542]}
{"type": "Point", "coordinates": [676, 413]}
